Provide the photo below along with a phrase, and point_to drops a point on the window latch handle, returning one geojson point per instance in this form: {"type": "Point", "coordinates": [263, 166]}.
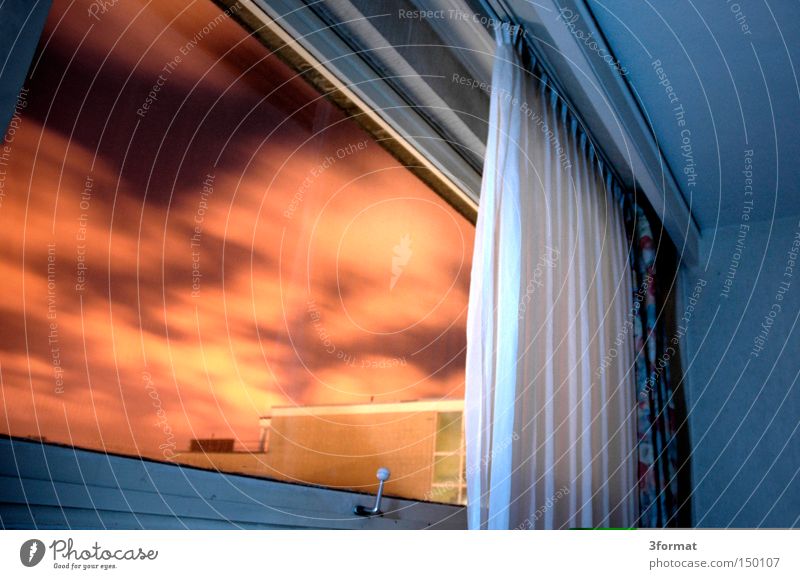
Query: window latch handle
{"type": "Point", "coordinates": [383, 475]}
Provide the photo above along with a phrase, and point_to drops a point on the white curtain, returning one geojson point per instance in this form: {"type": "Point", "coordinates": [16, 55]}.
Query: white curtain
{"type": "Point", "coordinates": [550, 403]}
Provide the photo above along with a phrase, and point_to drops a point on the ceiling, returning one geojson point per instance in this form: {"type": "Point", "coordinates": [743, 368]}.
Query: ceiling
{"type": "Point", "coordinates": [733, 68]}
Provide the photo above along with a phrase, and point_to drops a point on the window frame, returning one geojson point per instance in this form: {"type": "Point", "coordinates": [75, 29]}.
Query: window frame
{"type": "Point", "coordinates": [313, 49]}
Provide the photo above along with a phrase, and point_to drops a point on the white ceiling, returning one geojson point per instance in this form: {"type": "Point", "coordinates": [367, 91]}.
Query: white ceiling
{"type": "Point", "coordinates": [738, 88]}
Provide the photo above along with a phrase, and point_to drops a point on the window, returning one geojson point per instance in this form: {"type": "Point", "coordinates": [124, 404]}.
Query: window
{"type": "Point", "coordinates": [449, 483]}
{"type": "Point", "coordinates": [208, 263]}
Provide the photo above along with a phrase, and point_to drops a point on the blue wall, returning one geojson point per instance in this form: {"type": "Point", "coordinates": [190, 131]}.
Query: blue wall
{"type": "Point", "coordinates": [742, 388]}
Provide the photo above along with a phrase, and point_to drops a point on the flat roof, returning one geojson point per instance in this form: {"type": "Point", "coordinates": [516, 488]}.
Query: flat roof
{"type": "Point", "coordinates": [369, 408]}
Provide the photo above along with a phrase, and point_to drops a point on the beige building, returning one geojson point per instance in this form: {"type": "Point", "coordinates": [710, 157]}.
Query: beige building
{"type": "Point", "coordinates": [342, 446]}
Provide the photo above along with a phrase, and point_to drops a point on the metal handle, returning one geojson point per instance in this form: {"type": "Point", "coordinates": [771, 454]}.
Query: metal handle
{"type": "Point", "coordinates": [383, 475]}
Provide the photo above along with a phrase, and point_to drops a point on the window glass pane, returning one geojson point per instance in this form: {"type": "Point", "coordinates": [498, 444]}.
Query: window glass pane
{"type": "Point", "coordinates": [449, 429]}
{"type": "Point", "coordinates": [208, 263]}
{"type": "Point", "coordinates": [447, 468]}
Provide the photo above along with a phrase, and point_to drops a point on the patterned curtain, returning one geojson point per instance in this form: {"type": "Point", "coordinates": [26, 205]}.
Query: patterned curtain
{"type": "Point", "coordinates": [657, 445]}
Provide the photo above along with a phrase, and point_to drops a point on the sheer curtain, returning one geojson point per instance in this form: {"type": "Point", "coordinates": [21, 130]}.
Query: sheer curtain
{"type": "Point", "coordinates": [550, 400]}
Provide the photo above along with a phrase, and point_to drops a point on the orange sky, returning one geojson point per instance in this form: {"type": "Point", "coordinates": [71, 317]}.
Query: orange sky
{"type": "Point", "coordinates": [294, 240]}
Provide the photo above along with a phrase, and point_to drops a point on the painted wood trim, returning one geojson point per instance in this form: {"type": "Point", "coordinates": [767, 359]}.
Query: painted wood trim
{"type": "Point", "coordinates": [65, 487]}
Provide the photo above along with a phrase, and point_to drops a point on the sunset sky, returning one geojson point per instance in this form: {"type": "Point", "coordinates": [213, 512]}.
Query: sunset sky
{"type": "Point", "coordinates": [182, 258]}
